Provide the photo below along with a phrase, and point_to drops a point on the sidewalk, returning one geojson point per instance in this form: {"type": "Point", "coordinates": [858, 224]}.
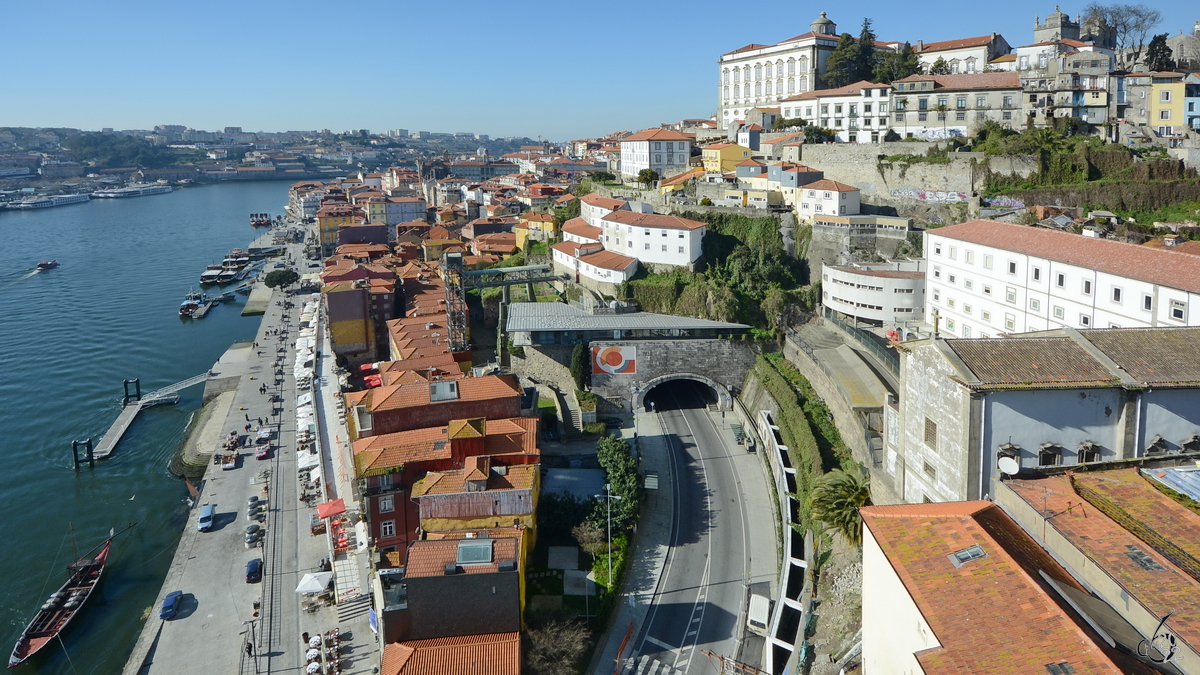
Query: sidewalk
{"type": "Point", "coordinates": [650, 547]}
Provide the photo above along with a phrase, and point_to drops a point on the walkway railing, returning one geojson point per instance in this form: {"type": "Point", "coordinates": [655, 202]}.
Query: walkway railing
{"type": "Point", "coordinates": [889, 359]}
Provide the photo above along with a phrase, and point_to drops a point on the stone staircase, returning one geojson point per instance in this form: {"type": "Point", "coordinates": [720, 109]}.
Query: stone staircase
{"type": "Point", "coordinates": [356, 606]}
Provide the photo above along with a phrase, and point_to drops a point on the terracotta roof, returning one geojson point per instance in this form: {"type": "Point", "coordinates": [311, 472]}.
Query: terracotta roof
{"type": "Point", "coordinates": [1004, 58]}
{"type": "Point", "coordinates": [1025, 361]}
{"type": "Point", "coordinates": [690, 174]}
{"type": "Point", "coordinates": [831, 185]}
{"type": "Point", "coordinates": [992, 614]}
{"type": "Point", "coordinates": [1163, 267]}
{"type": "Point", "coordinates": [1150, 522]}
{"type": "Point", "coordinates": [608, 260]}
{"type": "Point", "coordinates": [1159, 356]}
{"type": "Point", "coordinates": [1005, 80]}
{"type": "Point", "coordinates": [469, 389]}
{"type": "Point", "coordinates": [750, 47]}
{"type": "Point", "coordinates": [580, 228]}
{"type": "Point", "coordinates": [750, 162]}
{"type": "Point", "coordinates": [848, 90]}
{"type": "Point", "coordinates": [652, 220]}
{"type": "Point", "coordinates": [496, 654]}
{"type": "Point", "coordinates": [659, 135]}
{"type": "Point", "coordinates": [1188, 247]}
{"type": "Point", "coordinates": [883, 274]}
{"type": "Point", "coordinates": [957, 44]}
{"type": "Point", "coordinates": [593, 199]}
{"type": "Point", "coordinates": [429, 558]}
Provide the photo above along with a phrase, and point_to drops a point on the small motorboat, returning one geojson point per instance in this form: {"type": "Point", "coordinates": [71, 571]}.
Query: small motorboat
{"type": "Point", "coordinates": [47, 265]}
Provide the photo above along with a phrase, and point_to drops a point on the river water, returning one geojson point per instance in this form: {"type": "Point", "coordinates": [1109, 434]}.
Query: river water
{"type": "Point", "coordinates": [67, 338]}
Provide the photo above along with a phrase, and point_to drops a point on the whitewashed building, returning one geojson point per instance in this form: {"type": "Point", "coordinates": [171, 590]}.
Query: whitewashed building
{"type": "Point", "coordinates": [654, 239]}
{"type": "Point", "coordinates": [827, 197]}
{"type": "Point", "coordinates": [663, 150]}
{"type": "Point", "coordinates": [964, 55]}
{"type": "Point", "coordinates": [879, 293]}
{"type": "Point", "coordinates": [986, 277]}
{"type": "Point", "coordinates": [593, 207]}
{"type": "Point", "coordinates": [590, 265]}
{"type": "Point", "coordinates": [941, 106]}
{"type": "Point", "coordinates": [760, 75]}
{"type": "Point", "coordinates": [857, 113]}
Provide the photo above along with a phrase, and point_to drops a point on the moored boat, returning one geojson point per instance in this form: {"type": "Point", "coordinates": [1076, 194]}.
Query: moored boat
{"type": "Point", "coordinates": [62, 605]}
{"type": "Point", "coordinates": [191, 303]}
{"type": "Point", "coordinates": [211, 275]}
{"type": "Point", "coordinates": [47, 264]}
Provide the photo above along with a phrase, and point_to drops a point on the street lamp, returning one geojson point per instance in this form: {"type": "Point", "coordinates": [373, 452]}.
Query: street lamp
{"type": "Point", "coordinates": [608, 495]}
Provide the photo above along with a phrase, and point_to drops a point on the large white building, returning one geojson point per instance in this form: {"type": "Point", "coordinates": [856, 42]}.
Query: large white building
{"type": "Point", "coordinates": [857, 113]}
{"type": "Point", "coordinates": [758, 76]}
{"type": "Point", "coordinates": [652, 238]}
{"type": "Point", "coordinates": [663, 150]}
{"type": "Point", "coordinates": [879, 293]}
{"type": "Point", "coordinates": [964, 55]}
{"type": "Point", "coordinates": [986, 277]}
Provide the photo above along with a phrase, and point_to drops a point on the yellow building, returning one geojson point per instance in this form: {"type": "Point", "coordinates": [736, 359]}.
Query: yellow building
{"type": "Point", "coordinates": [1167, 104]}
{"type": "Point", "coordinates": [535, 227]}
{"type": "Point", "coordinates": [723, 157]}
{"type": "Point", "coordinates": [350, 328]}
{"type": "Point", "coordinates": [329, 218]}
{"type": "Point", "coordinates": [679, 182]}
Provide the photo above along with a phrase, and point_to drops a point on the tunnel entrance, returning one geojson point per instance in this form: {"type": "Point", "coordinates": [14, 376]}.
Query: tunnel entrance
{"type": "Point", "coordinates": [677, 392]}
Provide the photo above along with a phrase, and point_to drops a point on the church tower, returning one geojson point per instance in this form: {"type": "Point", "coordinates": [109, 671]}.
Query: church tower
{"type": "Point", "coordinates": [1058, 26]}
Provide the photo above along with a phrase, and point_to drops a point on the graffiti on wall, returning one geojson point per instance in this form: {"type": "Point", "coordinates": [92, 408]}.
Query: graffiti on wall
{"type": "Point", "coordinates": [937, 196]}
{"type": "Point", "coordinates": [1005, 202]}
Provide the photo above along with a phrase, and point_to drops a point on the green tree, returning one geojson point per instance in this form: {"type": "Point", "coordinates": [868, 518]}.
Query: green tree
{"type": "Point", "coordinates": [841, 66]}
{"type": "Point", "coordinates": [939, 67]}
{"type": "Point", "coordinates": [835, 500]}
{"type": "Point", "coordinates": [894, 66]}
{"type": "Point", "coordinates": [591, 538]}
{"type": "Point", "coordinates": [581, 365]}
{"type": "Point", "coordinates": [814, 135]}
{"type": "Point", "coordinates": [616, 458]}
{"type": "Point", "coordinates": [706, 202]}
{"type": "Point", "coordinates": [1158, 55]}
{"type": "Point", "coordinates": [942, 111]}
{"type": "Point", "coordinates": [279, 278]}
{"type": "Point", "coordinates": [603, 177]}
{"type": "Point", "coordinates": [865, 59]}
{"type": "Point", "coordinates": [648, 177]}
{"type": "Point", "coordinates": [784, 123]}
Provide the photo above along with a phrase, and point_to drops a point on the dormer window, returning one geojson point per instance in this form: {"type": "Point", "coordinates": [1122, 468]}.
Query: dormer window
{"type": "Point", "coordinates": [1049, 454]}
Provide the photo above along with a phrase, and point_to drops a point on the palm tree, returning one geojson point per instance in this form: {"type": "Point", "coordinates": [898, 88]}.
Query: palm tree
{"type": "Point", "coordinates": [902, 104]}
{"type": "Point", "coordinates": [941, 110]}
{"type": "Point", "coordinates": [835, 500]}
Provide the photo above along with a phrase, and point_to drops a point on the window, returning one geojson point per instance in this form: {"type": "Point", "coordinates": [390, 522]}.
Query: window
{"type": "Point", "coordinates": [950, 304]}
{"type": "Point", "coordinates": [1148, 302]}
{"type": "Point", "coordinates": [386, 503]}
{"type": "Point", "coordinates": [1012, 267]}
{"type": "Point", "coordinates": [966, 555]}
{"type": "Point", "coordinates": [1058, 312]}
{"type": "Point", "coordinates": [966, 309]}
{"type": "Point", "coordinates": [387, 528]}
{"type": "Point", "coordinates": [931, 433]}
{"type": "Point", "coordinates": [954, 253]}
{"type": "Point", "coordinates": [1116, 294]}
{"type": "Point", "coordinates": [680, 249]}
{"type": "Point", "coordinates": [1061, 280]}
{"type": "Point", "coordinates": [980, 101]}
{"type": "Point", "coordinates": [385, 481]}
{"type": "Point", "coordinates": [950, 325]}
{"type": "Point", "coordinates": [1050, 454]}
{"type": "Point", "coordinates": [824, 108]}
{"type": "Point", "coordinates": [1035, 304]}
{"type": "Point", "coordinates": [1164, 114]}
{"type": "Point", "coordinates": [647, 246]}
{"type": "Point", "coordinates": [930, 470]}
{"type": "Point", "coordinates": [1010, 322]}
{"type": "Point", "coordinates": [987, 290]}
{"type": "Point", "coordinates": [1085, 320]}
{"type": "Point", "coordinates": [966, 331]}
{"type": "Point", "coordinates": [1007, 114]}
{"type": "Point", "coordinates": [1178, 310]}
{"type": "Point", "coordinates": [960, 117]}
{"type": "Point", "coordinates": [1164, 96]}
{"type": "Point", "coordinates": [1087, 287]}
{"type": "Point", "coordinates": [921, 117]}
{"type": "Point", "coordinates": [937, 249]}
{"type": "Point", "coordinates": [987, 262]}
{"type": "Point", "coordinates": [967, 284]}
{"type": "Point", "coordinates": [1010, 294]}
{"type": "Point", "coordinates": [951, 277]}
{"type": "Point", "coordinates": [942, 101]}
{"type": "Point", "coordinates": [987, 316]}
{"type": "Point", "coordinates": [1037, 274]}
{"type": "Point", "coordinates": [922, 104]}
{"type": "Point", "coordinates": [937, 272]}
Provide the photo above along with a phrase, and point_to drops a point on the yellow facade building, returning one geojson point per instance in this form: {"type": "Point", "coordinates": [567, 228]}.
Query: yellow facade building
{"type": "Point", "coordinates": [1167, 105]}
{"type": "Point", "coordinates": [723, 157]}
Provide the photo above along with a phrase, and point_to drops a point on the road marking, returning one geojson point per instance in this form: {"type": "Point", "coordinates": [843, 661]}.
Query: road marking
{"type": "Point", "coordinates": [659, 643]}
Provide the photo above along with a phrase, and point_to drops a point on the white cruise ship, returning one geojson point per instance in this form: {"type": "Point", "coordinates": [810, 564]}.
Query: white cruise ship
{"type": "Point", "coordinates": [132, 191]}
{"type": "Point", "coordinates": [47, 202]}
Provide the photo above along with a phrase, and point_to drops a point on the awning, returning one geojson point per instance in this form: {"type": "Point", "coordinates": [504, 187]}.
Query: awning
{"type": "Point", "coordinates": [360, 535]}
{"type": "Point", "coordinates": [307, 460]}
{"type": "Point", "coordinates": [332, 508]}
{"type": "Point", "coordinates": [314, 582]}
{"type": "Point", "coordinates": [303, 400]}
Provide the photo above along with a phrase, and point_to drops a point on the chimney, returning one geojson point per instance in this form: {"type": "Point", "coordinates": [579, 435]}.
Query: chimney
{"type": "Point", "coordinates": [920, 45]}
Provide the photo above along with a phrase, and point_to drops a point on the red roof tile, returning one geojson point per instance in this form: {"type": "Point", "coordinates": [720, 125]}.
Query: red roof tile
{"type": "Point", "coordinates": [970, 80]}
{"type": "Point", "coordinates": [652, 220]}
{"type": "Point", "coordinates": [496, 654]}
{"type": "Point", "coordinates": [831, 185]}
{"type": "Point", "coordinates": [659, 135]}
{"type": "Point", "coordinates": [957, 44]}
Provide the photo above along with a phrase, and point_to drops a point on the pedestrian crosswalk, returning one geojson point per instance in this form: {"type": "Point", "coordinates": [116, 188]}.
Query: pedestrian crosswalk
{"type": "Point", "coordinates": [645, 665]}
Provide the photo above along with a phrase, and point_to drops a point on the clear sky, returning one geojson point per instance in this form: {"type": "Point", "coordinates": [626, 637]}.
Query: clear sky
{"type": "Point", "coordinates": [560, 70]}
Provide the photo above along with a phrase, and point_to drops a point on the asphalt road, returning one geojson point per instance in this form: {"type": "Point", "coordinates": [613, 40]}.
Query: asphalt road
{"type": "Point", "coordinates": [716, 549]}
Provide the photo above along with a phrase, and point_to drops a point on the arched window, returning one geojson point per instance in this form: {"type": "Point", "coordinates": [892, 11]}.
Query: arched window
{"type": "Point", "coordinates": [954, 66]}
{"type": "Point", "coordinates": [804, 84]}
{"type": "Point", "coordinates": [768, 70]}
{"type": "Point", "coordinates": [726, 76]}
{"type": "Point", "coordinates": [746, 73]}
{"type": "Point", "coordinates": [791, 85]}
{"type": "Point", "coordinates": [758, 72]}
{"type": "Point", "coordinates": [737, 75]}
{"type": "Point", "coordinates": [737, 91]}
{"type": "Point", "coordinates": [791, 67]}
{"type": "Point", "coordinates": [970, 65]}
{"type": "Point", "coordinates": [768, 86]}
{"type": "Point", "coordinates": [804, 64]}
{"type": "Point", "coordinates": [726, 91]}
{"type": "Point", "coordinates": [779, 86]}
{"type": "Point", "coordinates": [758, 88]}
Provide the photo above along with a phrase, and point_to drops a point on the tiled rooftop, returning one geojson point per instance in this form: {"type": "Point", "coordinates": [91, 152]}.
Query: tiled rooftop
{"type": "Point", "coordinates": [1040, 361]}
{"type": "Point", "coordinates": [429, 558]}
{"type": "Point", "coordinates": [653, 220]}
{"type": "Point", "coordinates": [496, 654]}
{"type": "Point", "coordinates": [1152, 355]}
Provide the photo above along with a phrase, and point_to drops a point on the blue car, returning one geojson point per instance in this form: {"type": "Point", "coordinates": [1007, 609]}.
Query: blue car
{"type": "Point", "coordinates": [170, 605]}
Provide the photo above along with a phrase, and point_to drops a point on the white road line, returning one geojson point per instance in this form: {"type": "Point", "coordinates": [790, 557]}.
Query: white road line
{"type": "Point", "coordinates": [700, 605]}
{"type": "Point", "coordinates": [659, 643]}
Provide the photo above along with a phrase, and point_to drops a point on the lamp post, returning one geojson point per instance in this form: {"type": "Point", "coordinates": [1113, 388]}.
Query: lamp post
{"type": "Point", "coordinates": [609, 496]}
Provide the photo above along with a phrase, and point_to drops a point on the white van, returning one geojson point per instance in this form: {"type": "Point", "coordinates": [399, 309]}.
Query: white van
{"type": "Point", "coordinates": [758, 615]}
{"type": "Point", "coordinates": [207, 513]}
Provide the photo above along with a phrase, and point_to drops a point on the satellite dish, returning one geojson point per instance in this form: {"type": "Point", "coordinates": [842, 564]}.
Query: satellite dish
{"type": "Point", "coordinates": [1009, 466]}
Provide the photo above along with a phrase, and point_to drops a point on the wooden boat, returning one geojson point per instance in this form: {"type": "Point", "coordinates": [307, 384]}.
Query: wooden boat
{"type": "Point", "coordinates": [47, 265]}
{"type": "Point", "coordinates": [62, 606]}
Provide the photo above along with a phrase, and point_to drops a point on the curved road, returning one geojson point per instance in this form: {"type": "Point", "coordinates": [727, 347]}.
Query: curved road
{"type": "Point", "coordinates": [722, 539]}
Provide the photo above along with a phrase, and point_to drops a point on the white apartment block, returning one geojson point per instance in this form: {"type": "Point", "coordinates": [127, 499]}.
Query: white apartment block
{"type": "Point", "coordinates": [857, 113]}
{"type": "Point", "coordinates": [985, 278]}
{"type": "Point", "coordinates": [758, 76]}
{"type": "Point", "coordinates": [666, 152]}
{"type": "Point", "coordinates": [827, 197]}
{"type": "Point", "coordinates": [941, 106]}
{"type": "Point", "coordinates": [593, 207]}
{"type": "Point", "coordinates": [879, 293]}
{"type": "Point", "coordinates": [652, 238]}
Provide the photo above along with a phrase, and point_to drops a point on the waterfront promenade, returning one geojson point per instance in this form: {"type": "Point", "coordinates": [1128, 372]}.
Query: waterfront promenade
{"type": "Point", "coordinates": [226, 624]}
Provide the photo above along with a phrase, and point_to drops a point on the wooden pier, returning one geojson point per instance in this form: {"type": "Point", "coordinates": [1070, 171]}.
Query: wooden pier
{"type": "Point", "coordinates": [129, 412]}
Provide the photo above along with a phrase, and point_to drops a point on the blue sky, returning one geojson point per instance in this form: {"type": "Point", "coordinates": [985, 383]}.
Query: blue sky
{"type": "Point", "coordinates": [559, 70]}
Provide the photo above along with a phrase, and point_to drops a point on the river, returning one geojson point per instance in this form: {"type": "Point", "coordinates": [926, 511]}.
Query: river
{"type": "Point", "coordinates": [69, 336]}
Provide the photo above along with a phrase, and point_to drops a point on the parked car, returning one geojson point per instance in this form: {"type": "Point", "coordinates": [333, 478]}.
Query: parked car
{"type": "Point", "coordinates": [170, 605]}
{"type": "Point", "coordinates": [208, 513]}
{"type": "Point", "coordinates": [613, 423]}
{"type": "Point", "coordinates": [278, 265]}
{"type": "Point", "coordinates": [254, 571]}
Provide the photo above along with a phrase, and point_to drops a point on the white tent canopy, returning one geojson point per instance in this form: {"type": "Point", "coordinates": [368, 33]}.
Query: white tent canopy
{"type": "Point", "coordinates": [314, 582]}
{"type": "Point", "coordinates": [307, 460]}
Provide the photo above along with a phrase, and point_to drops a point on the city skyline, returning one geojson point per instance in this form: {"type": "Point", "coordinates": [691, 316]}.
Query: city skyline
{"type": "Point", "coordinates": [267, 68]}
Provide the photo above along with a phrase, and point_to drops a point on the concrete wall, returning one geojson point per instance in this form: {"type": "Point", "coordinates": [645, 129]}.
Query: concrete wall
{"type": "Point", "coordinates": [546, 364]}
{"type": "Point", "coordinates": [1173, 414]}
{"type": "Point", "coordinates": [721, 364]}
{"type": "Point", "coordinates": [928, 390]}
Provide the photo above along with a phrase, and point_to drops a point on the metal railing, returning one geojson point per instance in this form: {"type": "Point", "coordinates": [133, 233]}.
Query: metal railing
{"type": "Point", "coordinates": [889, 359]}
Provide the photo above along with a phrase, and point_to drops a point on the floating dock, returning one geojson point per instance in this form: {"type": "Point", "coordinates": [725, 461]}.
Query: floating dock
{"type": "Point", "coordinates": [168, 394]}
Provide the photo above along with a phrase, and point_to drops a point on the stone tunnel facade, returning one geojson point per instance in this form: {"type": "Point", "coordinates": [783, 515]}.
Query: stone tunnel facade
{"type": "Point", "coordinates": [720, 364]}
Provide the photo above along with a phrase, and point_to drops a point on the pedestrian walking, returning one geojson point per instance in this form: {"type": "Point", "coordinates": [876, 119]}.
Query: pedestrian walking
{"type": "Point", "coordinates": [247, 417]}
